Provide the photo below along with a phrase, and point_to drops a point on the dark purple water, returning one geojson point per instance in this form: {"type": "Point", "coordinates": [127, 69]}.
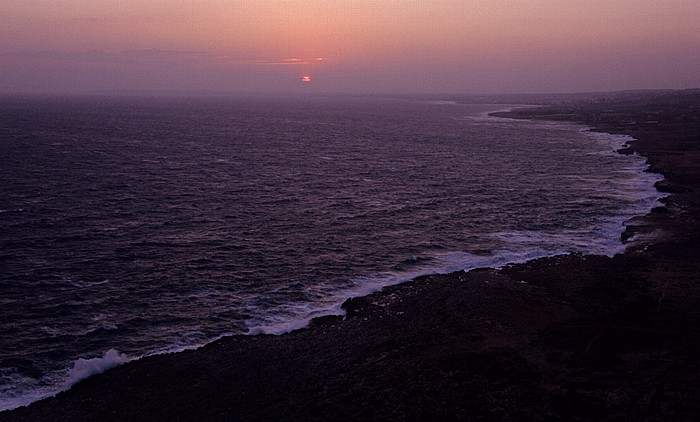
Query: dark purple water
{"type": "Point", "coordinates": [134, 226]}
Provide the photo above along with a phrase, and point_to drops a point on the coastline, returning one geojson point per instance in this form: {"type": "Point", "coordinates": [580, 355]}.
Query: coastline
{"type": "Point", "coordinates": [570, 336]}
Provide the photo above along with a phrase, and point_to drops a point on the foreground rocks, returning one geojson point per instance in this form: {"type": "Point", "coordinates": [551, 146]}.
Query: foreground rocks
{"type": "Point", "coordinates": [569, 338]}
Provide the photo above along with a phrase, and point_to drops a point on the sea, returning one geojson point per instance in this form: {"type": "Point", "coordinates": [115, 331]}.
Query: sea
{"type": "Point", "coordinates": [132, 226]}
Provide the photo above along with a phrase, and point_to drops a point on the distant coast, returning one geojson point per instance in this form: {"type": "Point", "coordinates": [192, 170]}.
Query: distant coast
{"type": "Point", "coordinates": [570, 337]}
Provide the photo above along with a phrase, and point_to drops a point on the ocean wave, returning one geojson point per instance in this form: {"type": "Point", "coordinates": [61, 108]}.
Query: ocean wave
{"type": "Point", "coordinates": [84, 368]}
{"type": "Point", "coordinates": [290, 317]}
{"type": "Point", "coordinates": [24, 389]}
{"type": "Point", "coordinates": [520, 246]}
{"type": "Point", "coordinates": [174, 262]}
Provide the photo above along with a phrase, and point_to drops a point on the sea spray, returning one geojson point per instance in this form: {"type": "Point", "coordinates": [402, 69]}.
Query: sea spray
{"type": "Point", "coordinates": [84, 368]}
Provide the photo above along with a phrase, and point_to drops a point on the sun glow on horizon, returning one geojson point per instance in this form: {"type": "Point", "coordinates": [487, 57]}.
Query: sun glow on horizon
{"type": "Point", "coordinates": [355, 45]}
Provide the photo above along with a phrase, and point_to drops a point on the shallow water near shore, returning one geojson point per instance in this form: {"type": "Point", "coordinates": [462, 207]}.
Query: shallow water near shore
{"type": "Point", "coordinates": [131, 227]}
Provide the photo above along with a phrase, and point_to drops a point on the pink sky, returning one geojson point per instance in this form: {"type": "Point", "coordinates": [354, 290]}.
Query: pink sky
{"type": "Point", "coordinates": [392, 46]}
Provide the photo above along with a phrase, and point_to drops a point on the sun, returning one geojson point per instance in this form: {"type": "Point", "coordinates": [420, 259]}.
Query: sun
{"type": "Point", "coordinates": [306, 78]}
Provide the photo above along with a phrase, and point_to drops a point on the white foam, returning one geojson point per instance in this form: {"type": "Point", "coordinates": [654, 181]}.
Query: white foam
{"type": "Point", "coordinates": [443, 263]}
{"type": "Point", "coordinates": [52, 331]}
{"type": "Point", "coordinates": [518, 246]}
{"type": "Point", "coordinates": [295, 324]}
{"type": "Point", "coordinates": [25, 390]}
{"type": "Point", "coordinates": [84, 368]}
{"type": "Point", "coordinates": [640, 183]}
{"type": "Point", "coordinates": [102, 316]}
{"type": "Point", "coordinates": [180, 347]}
{"type": "Point", "coordinates": [87, 284]}
{"type": "Point", "coordinates": [21, 390]}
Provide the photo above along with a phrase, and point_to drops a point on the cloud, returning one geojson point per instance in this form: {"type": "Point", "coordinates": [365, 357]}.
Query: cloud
{"type": "Point", "coordinates": [152, 56]}
{"type": "Point", "coordinates": [92, 56]}
{"type": "Point", "coordinates": [152, 69]}
{"type": "Point", "coordinates": [294, 61]}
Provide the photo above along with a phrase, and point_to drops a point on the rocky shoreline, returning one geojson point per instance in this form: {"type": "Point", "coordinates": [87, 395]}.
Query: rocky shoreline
{"type": "Point", "coordinates": [570, 337]}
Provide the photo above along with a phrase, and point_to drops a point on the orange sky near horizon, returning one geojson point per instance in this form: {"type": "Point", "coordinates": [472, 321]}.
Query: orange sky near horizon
{"type": "Point", "coordinates": [376, 36]}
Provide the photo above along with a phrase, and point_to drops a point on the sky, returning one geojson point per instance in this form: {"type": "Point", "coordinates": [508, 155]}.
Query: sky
{"type": "Point", "coordinates": [349, 46]}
